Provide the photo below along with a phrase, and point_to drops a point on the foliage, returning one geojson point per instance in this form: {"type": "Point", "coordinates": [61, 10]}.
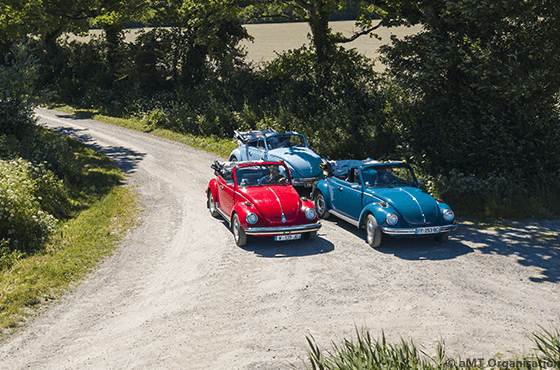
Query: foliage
{"type": "Point", "coordinates": [548, 345]}
{"type": "Point", "coordinates": [277, 13]}
{"type": "Point", "coordinates": [342, 113]}
{"type": "Point", "coordinates": [477, 98]}
{"type": "Point", "coordinates": [318, 14]}
{"type": "Point", "coordinates": [73, 251]}
{"type": "Point", "coordinates": [483, 83]}
{"type": "Point", "coordinates": [24, 225]}
{"type": "Point", "coordinates": [45, 178]}
{"type": "Point", "coordinates": [367, 353]}
{"type": "Point", "coordinates": [17, 90]}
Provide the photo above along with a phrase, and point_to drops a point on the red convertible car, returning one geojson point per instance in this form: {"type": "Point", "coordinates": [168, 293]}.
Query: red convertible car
{"type": "Point", "coordinates": [257, 198]}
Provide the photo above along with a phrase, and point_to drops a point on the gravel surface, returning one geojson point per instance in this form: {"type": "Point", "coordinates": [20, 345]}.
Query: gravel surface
{"type": "Point", "coordinates": [179, 294]}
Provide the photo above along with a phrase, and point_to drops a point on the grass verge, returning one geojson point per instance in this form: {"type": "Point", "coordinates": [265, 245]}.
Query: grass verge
{"type": "Point", "coordinates": [72, 253]}
{"type": "Point", "coordinates": [101, 212]}
{"type": "Point", "coordinates": [219, 146]}
{"type": "Point", "coordinates": [377, 354]}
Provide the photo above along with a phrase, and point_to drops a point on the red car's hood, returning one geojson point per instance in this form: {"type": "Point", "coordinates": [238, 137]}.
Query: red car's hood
{"type": "Point", "coordinates": [278, 204]}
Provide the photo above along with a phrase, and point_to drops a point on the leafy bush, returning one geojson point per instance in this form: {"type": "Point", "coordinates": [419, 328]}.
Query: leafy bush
{"type": "Point", "coordinates": [25, 222]}
{"type": "Point", "coordinates": [17, 81]}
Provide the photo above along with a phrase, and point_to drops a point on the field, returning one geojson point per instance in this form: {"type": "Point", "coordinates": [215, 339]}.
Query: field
{"type": "Point", "coordinates": [272, 38]}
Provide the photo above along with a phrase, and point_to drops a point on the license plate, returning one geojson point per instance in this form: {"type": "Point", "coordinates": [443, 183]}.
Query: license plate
{"type": "Point", "coordinates": [428, 230]}
{"type": "Point", "coordinates": [281, 238]}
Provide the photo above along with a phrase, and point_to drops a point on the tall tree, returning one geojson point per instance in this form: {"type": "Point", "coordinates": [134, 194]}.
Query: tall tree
{"type": "Point", "coordinates": [317, 13]}
{"type": "Point", "coordinates": [484, 81]}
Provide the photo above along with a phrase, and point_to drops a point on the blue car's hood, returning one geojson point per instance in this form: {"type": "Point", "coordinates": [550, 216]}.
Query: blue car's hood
{"type": "Point", "coordinates": [415, 205]}
{"type": "Point", "coordinates": [303, 160]}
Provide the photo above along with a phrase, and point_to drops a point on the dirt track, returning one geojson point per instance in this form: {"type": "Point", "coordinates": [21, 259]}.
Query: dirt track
{"type": "Point", "coordinates": [179, 294]}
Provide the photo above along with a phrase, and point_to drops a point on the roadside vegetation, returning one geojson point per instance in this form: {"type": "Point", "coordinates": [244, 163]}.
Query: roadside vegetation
{"type": "Point", "coordinates": [471, 102]}
{"type": "Point", "coordinates": [62, 208]}
{"type": "Point", "coordinates": [365, 352]}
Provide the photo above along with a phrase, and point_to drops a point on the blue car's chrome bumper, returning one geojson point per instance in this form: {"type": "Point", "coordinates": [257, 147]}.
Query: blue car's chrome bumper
{"type": "Point", "coordinates": [282, 230]}
{"type": "Point", "coordinates": [419, 231]}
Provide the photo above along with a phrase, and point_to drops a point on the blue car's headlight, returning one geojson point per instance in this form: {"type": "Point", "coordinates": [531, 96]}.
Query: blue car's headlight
{"type": "Point", "coordinates": [448, 215]}
{"type": "Point", "coordinates": [252, 218]}
{"type": "Point", "coordinates": [310, 213]}
{"type": "Point", "coordinates": [391, 219]}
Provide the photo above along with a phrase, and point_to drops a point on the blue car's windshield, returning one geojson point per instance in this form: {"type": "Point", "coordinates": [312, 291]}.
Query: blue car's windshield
{"type": "Point", "coordinates": [285, 141]}
{"type": "Point", "coordinates": [389, 176]}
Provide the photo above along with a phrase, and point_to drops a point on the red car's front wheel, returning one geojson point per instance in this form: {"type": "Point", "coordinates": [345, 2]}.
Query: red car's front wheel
{"type": "Point", "coordinates": [212, 206]}
{"type": "Point", "coordinates": [238, 232]}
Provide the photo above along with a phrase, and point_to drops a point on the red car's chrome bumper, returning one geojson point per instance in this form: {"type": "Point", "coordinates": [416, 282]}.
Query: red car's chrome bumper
{"type": "Point", "coordinates": [283, 229]}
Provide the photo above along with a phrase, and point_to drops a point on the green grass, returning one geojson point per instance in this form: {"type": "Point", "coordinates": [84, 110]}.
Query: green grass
{"type": "Point", "coordinates": [98, 213]}
{"type": "Point", "coordinates": [377, 354]}
{"type": "Point", "coordinates": [73, 252]}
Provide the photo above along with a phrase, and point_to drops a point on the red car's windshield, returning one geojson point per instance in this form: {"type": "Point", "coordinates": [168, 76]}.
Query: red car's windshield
{"type": "Point", "coordinates": [265, 174]}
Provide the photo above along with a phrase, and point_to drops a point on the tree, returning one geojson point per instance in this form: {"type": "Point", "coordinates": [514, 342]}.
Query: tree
{"type": "Point", "coordinates": [17, 94]}
{"type": "Point", "coordinates": [318, 13]}
{"type": "Point", "coordinates": [483, 80]}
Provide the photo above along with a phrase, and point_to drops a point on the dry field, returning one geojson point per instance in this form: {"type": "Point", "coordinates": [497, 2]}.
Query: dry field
{"type": "Point", "coordinates": [270, 39]}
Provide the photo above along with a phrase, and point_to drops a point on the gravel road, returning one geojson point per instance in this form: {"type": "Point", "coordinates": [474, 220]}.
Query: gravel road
{"type": "Point", "coordinates": [179, 294]}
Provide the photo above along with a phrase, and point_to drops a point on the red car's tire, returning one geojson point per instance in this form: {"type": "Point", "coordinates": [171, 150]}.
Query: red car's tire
{"type": "Point", "coordinates": [238, 232]}
{"type": "Point", "coordinates": [212, 206]}
{"type": "Point", "coordinates": [310, 235]}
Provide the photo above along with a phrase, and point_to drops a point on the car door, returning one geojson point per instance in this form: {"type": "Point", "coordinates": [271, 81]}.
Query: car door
{"type": "Point", "coordinates": [225, 195]}
{"type": "Point", "coordinates": [347, 197]}
{"type": "Point", "coordinates": [257, 152]}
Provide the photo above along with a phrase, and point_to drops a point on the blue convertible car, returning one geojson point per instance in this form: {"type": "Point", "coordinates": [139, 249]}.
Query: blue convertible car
{"type": "Point", "coordinates": [289, 147]}
{"type": "Point", "coordinates": [385, 198]}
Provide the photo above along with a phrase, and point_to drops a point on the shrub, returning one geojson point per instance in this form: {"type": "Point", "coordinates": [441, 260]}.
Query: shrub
{"type": "Point", "coordinates": [24, 225]}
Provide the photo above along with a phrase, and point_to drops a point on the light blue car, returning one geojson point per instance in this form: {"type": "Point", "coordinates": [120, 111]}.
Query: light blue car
{"type": "Point", "coordinates": [290, 148]}
{"type": "Point", "coordinates": [383, 198]}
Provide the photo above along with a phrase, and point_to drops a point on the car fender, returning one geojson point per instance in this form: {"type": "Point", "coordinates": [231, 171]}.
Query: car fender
{"type": "Point", "coordinates": [213, 187]}
{"type": "Point", "coordinates": [323, 187]}
{"type": "Point", "coordinates": [241, 210]}
{"type": "Point", "coordinates": [237, 153]}
{"type": "Point", "coordinates": [377, 210]}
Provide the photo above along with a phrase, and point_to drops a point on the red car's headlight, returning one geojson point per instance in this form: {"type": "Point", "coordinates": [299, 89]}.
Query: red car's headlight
{"type": "Point", "coordinates": [310, 213]}
{"type": "Point", "coordinates": [251, 218]}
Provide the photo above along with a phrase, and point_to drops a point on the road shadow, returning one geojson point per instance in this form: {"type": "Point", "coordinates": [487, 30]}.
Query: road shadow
{"type": "Point", "coordinates": [127, 160]}
{"type": "Point", "coordinates": [268, 248]}
{"type": "Point", "coordinates": [412, 249]}
{"type": "Point", "coordinates": [534, 244]}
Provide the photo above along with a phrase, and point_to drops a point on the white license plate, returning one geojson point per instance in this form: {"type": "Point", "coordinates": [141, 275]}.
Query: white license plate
{"type": "Point", "coordinates": [428, 230]}
{"type": "Point", "coordinates": [281, 238]}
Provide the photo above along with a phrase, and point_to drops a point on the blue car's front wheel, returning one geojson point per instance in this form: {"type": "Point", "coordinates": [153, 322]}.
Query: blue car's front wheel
{"type": "Point", "coordinates": [373, 232]}
{"type": "Point", "coordinates": [233, 158]}
{"type": "Point", "coordinates": [321, 206]}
